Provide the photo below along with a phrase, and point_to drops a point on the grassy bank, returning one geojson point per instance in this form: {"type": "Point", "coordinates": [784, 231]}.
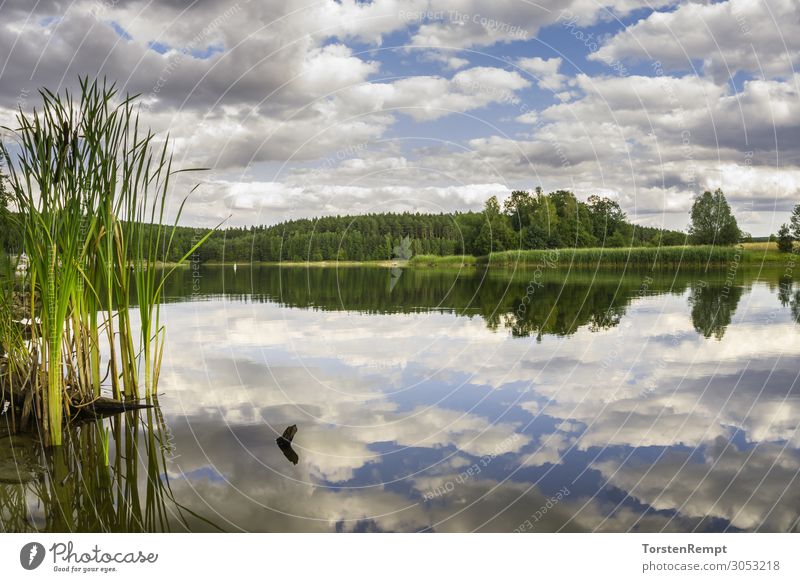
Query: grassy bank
{"type": "Point", "coordinates": [384, 264]}
{"type": "Point", "coordinates": [646, 257]}
{"type": "Point", "coordinates": [446, 261]}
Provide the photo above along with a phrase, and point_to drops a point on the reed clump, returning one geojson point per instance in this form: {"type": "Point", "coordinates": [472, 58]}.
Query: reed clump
{"type": "Point", "coordinates": [667, 257]}
{"type": "Point", "coordinates": [89, 189]}
{"type": "Point", "coordinates": [442, 261]}
{"type": "Point", "coordinates": [658, 258]}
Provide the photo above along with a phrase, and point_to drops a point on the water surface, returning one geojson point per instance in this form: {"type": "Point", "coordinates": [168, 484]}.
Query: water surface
{"type": "Point", "coordinates": [433, 400]}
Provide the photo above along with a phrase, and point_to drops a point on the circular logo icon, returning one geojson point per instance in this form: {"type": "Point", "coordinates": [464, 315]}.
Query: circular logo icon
{"type": "Point", "coordinates": [31, 555]}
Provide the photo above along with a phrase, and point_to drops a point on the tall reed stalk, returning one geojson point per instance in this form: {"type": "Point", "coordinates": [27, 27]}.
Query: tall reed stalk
{"type": "Point", "coordinates": [90, 190]}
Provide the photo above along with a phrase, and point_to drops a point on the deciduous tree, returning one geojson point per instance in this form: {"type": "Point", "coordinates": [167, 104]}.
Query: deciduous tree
{"type": "Point", "coordinates": [794, 221]}
{"type": "Point", "coordinates": [712, 220]}
{"type": "Point", "coordinates": [785, 239]}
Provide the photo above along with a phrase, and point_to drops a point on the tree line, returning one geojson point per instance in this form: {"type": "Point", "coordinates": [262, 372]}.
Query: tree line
{"type": "Point", "coordinates": [526, 220]}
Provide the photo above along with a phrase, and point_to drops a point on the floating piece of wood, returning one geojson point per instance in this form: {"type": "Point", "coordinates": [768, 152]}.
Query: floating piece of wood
{"type": "Point", "coordinates": [289, 433]}
{"type": "Point", "coordinates": [103, 406]}
{"type": "Point", "coordinates": [285, 444]}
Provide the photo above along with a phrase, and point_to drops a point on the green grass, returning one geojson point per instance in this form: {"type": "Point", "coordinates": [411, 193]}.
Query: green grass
{"type": "Point", "coordinates": [650, 257]}
{"type": "Point", "coordinates": [639, 257]}
{"type": "Point", "coordinates": [446, 261]}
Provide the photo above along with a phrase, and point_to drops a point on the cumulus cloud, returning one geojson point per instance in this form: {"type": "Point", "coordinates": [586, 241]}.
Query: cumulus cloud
{"type": "Point", "coordinates": [472, 23]}
{"type": "Point", "coordinates": [545, 71]}
{"type": "Point", "coordinates": [726, 37]}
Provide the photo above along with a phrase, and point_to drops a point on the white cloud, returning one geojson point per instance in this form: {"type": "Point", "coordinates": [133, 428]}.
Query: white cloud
{"type": "Point", "coordinates": [254, 201]}
{"type": "Point", "coordinates": [473, 23]}
{"type": "Point", "coordinates": [758, 36]}
{"type": "Point", "coordinates": [545, 71]}
{"type": "Point", "coordinates": [425, 98]}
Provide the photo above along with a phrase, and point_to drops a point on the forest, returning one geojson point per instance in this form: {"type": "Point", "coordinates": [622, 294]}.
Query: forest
{"type": "Point", "coordinates": [526, 221]}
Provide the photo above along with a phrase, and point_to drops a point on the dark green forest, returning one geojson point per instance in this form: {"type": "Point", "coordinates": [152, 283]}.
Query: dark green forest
{"type": "Point", "coordinates": [526, 221]}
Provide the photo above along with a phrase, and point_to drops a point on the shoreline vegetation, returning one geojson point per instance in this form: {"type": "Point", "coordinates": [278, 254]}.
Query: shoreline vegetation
{"type": "Point", "coordinates": [678, 256]}
{"type": "Point", "coordinates": [89, 188]}
{"type": "Point", "coordinates": [527, 224]}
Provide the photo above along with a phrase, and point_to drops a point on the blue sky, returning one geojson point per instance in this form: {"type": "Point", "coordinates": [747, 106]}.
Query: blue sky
{"type": "Point", "coordinates": [346, 107]}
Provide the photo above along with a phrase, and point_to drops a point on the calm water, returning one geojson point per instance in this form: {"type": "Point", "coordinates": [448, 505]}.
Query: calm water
{"type": "Point", "coordinates": [445, 401]}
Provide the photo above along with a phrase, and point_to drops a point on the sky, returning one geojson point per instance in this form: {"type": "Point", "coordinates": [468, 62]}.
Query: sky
{"type": "Point", "coordinates": [306, 108]}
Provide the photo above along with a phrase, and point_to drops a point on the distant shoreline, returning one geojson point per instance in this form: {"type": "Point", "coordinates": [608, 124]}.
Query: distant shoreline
{"type": "Point", "coordinates": [382, 263]}
{"type": "Point", "coordinates": [750, 254]}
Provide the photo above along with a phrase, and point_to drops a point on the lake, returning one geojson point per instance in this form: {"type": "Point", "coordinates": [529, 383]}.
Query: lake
{"type": "Point", "coordinates": [444, 400]}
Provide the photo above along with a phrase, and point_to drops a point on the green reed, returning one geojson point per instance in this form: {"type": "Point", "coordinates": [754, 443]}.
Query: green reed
{"type": "Point", "coordinates": [89, 188]}
{"type": "Point", "coordinates": [636, 257]}
{"type": "Point", "coordinates": [13, 349]}
{"type": "Point", "coordinates": [639, 257]}
{"type": "Point", "coordinates": [442, 261]}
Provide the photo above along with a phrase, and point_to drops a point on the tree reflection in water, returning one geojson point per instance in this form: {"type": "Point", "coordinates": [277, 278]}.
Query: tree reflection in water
{"type": "Point", "coordinates": [528, 303]}
{"type": "Point", "coordinates": [713, 306]}
{"type": "Point", "coordinates": [790, 297]}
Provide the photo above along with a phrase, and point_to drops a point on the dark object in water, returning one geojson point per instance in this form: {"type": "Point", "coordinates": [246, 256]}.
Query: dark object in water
{"type": "Point", "coordinates": [289, 433]}
{"type": "Point", "coordinates": [102, 406]}
{"type": "Point", "coordinates": [285, 444]}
